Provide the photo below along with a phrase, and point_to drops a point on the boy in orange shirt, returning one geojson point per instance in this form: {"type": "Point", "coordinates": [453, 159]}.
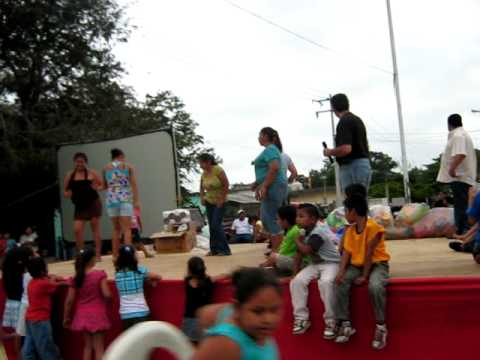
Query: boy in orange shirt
{"type": "Point", "coordinates": [364, 261]}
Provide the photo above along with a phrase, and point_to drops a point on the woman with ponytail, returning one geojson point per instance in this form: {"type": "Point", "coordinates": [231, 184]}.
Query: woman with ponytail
{"type": "Point", "coordinates": [89, 289]}
{"type": "Point", "coordinates": [270, 184]}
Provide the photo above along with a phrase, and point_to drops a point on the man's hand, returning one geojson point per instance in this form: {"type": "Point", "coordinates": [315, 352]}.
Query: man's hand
{"type": "Point", "coordinates": [327, 152]}
{"type": "Point", "coordinates": [360, 280]}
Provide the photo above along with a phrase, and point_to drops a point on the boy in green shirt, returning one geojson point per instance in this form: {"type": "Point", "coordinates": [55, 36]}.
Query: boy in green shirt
{"type": "Point", "coordinates": [283, 260]}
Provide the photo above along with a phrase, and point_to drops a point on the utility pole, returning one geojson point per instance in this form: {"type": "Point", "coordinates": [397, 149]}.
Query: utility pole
{"type": "Point", "coordinates": [337, 169]}
{"type": "Point", "coordinates": [406, 182]}
{"type": "Point", "coordinates": [475, 111]}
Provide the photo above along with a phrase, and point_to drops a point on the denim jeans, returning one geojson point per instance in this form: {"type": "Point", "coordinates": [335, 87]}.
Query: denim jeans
{"type": "Point", "coordinates": [275, 198]}
{"type": "Point", "coordinates": [218, 239]}
{"type": "Point", "coordinates": [39, 342]}
{"type": "Point", "coordinates": [460, 205]}
{"type": "Point", "coordinates": [243, 238]}
{"type": "Point", "coordinates": [358, 171]}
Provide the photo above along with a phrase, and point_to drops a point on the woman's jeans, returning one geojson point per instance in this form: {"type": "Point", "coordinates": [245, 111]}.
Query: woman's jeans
{"type": "Point", "coordinates": [275, 198]}
{"type": "Point", "coordinates": [358, 171]}
{"type": "Point", "coordinates": [218, 239]}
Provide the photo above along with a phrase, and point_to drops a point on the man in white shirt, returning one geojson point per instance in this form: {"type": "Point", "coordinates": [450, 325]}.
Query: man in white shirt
{"type": "Point", "coordinates": [242, 229]}
{"type": "Point", "coordinates": [458, 168]}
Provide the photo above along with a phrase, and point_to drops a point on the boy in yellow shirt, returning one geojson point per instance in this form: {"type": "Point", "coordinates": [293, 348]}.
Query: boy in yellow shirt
{"type": "Point", "coordinates": [364, 261]}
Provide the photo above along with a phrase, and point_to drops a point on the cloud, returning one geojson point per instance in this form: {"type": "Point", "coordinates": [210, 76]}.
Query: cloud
{"type": "Point", "coordinates": [237, 74]}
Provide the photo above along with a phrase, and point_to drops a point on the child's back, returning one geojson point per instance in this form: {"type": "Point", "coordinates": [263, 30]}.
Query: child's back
{"type": "Point", "coordinates": [130, 287]}
{"type": "Point", "coordinates": [198, 293]}
{"type": "Point", "coordinates": [91, 312]}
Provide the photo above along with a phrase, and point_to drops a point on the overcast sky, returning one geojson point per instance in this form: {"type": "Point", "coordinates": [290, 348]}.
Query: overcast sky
{"type": "Point", "coordinates": [237, 74]}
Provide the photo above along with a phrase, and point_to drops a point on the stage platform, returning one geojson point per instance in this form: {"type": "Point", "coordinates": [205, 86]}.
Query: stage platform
{"type": "Point", "coordinates": [432, 310]}
{"type": "Point", "coordinates": [410, 258]}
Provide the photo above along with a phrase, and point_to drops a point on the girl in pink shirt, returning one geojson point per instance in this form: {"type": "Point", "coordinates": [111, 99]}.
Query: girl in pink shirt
{"type": "Point", "coordinates": [90, 290]}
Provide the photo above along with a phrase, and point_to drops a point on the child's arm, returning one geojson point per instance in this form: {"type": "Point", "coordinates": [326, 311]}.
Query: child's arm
{"type": "Point", "coordinates": [107, 294]}
{"type": "Point", "coordinates": [343, 267]}
{"type": "Point", "coordinates": [154, 277]}
{"type": "Point", "coordinates": [67, 320]}
{"type": "Point", "coordinates": [368, 259]}
{"type": "Point", "coordinates": [303, 248]}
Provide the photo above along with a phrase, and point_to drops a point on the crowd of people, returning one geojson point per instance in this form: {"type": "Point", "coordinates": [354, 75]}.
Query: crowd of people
{"type": "Point", "coordinates": [303, 248]}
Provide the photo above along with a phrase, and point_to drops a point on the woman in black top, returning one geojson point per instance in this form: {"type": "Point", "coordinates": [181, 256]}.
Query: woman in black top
{"type": "Point", "coordinates": [81, 185]}
{"type": "Point", "coordinates": [198, 293]}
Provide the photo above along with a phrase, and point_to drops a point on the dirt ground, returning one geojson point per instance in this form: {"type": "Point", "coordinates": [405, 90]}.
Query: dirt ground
{"type": "Point", "coordinates": [410, 258]}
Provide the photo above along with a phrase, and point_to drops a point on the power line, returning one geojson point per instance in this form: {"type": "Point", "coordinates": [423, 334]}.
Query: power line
{"type": "Point", "coordinates": [304, 38]}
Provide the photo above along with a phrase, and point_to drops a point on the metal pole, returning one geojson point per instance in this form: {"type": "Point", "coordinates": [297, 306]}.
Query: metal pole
{"type": "Point", "coordinates": [336, 167]}
{"type": "Point", "coordinates": [475, 111]}
{"type": "Point", "coordinates": [406, 182]}
{"type": "Point", "coordinates": [338, 190]}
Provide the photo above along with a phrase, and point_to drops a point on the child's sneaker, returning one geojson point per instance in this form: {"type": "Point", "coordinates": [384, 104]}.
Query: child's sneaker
{"type": "Point", "coordinates": [300, 326]}
{"type": "Point", "coordinates": [380, 339]}
{"type": "Point", "coordinates": [330, 331]}
{"type": "Point", "coordinates": [345, 332]}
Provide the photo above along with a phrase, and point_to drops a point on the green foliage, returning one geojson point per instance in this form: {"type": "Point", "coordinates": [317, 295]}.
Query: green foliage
{"type": "Point", "coordinates": [60, 82]}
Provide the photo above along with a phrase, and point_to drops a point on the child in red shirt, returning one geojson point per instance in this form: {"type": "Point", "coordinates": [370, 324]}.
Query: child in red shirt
{"type": "Point", "coordinates": [39, 339]}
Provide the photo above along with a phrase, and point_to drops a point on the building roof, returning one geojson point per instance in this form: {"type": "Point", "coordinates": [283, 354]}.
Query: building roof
{"type": "Point", "coordinates": [242, 197]}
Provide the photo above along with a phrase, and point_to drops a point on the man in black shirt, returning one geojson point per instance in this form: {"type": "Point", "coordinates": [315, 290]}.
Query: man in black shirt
{"type": "Point", "coordinates": [351, 151]}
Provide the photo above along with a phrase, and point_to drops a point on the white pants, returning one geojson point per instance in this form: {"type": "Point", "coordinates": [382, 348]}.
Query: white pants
{"type": "Point", "coordinates": [325, 273]}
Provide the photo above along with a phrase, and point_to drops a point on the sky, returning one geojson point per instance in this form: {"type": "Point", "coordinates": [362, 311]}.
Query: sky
{"type": "Point", "coordinates": [237, 73]}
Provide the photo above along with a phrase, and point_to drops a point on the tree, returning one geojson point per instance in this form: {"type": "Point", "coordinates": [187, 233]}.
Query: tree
{"type": "Point", "coordinates": [60, 82]}
{"type": "Point", "coordinates": [327, 171]}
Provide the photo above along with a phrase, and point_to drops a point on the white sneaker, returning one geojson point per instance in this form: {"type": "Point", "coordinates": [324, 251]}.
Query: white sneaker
{"type": "Point", "coordinates": [380, 340]}
{"type": "Point", "coordinates": [300, 326]}
{"type": "Point", "coordinates": [345, 332]}
{"type": "Point", "coordinates": [330, 331]}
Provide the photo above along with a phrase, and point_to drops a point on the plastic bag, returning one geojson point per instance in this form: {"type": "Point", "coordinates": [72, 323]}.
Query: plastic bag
{"type": "Point", "coordinates": [336, 219]}
{"type": "Point", "coordinates": [439, 222]}
{"type": "Point", "coordinates": [398, 232]}
{"type": "Point", "coordinates": [411, 214]}
{"type": "Point", "coordinates": [382, 215]}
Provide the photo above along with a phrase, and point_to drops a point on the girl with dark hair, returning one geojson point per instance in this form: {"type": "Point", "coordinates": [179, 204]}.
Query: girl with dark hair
{"type": "Point", "coordinates": [213, 193]}
{"type": "Point", "coordinates": [198, 293]}
{"type": "Point", "coordinates": [122, 197]}
{"type": "Point", "coordinates": [130, 279]}
{"type": "Point", "coordinates": [270, 184]}
{"type": "Point", "coordinates": [90, 291]}
{"type": "Point", "coordinates": [245, 329]}
{"type": "Point", "coordinates": [81, 185]}
{"type": "Point", "coordinates": [13, 277]}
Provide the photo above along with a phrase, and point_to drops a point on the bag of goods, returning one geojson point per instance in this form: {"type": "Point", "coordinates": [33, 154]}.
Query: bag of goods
{"type": "Point", "coordinates": [411, 214]}
{"type": "Point", "coordinates": [439, 222]}
{"type": "Point", "coordinates": [382, 215]}
{"type": "Point", "coordinates": [336, 219]}
{"type": "Point", "coordinates": [398, 232]}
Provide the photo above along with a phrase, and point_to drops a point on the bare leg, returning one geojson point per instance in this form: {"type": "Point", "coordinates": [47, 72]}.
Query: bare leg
{"type": "Point", "coordinates": [126, 224]}
{"type": "Point", "coordinates": [17, 343]}
{"type": "Point", "coordinates": [79, 230]}
{"type": "Point", "coordinates": [98, 345]}
{"type": "Point", "coordinates": [88, 347]}
{"type": "Point", "coordinates": [95, 224]}
{"type": "Point", "coordinates": [117, 231]}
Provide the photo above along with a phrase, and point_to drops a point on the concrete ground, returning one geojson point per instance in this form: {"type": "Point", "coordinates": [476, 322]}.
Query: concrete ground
{"type": "Point", "coordinates": [410, 258]}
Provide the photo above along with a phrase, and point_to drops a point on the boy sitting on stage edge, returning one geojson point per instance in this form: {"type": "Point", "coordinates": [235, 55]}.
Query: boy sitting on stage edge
{"type": "Point", "coordinates": [364, 260]}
